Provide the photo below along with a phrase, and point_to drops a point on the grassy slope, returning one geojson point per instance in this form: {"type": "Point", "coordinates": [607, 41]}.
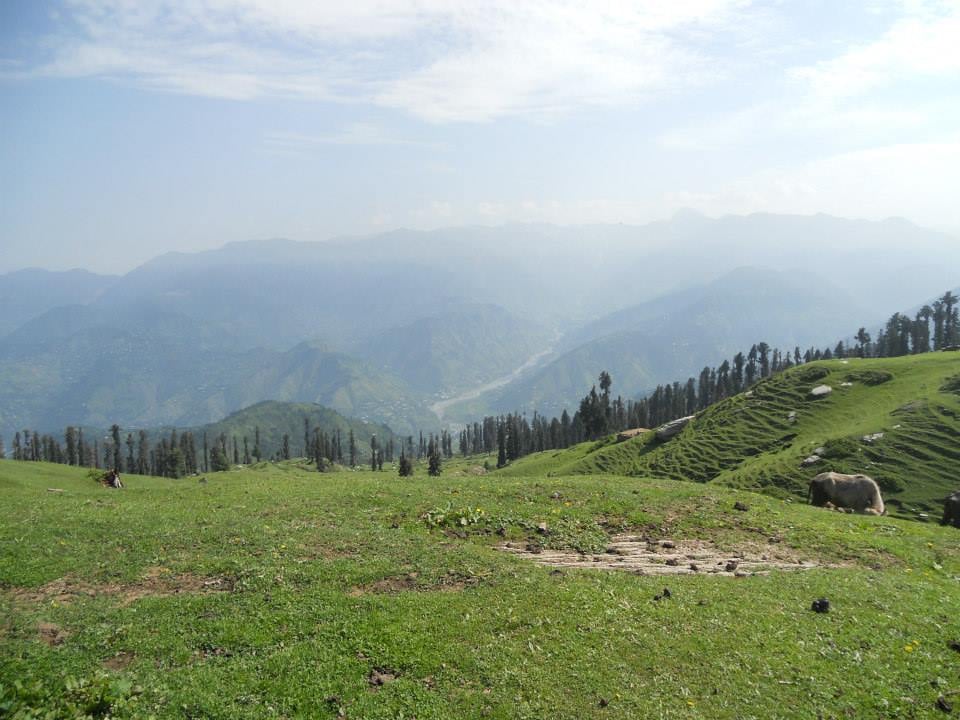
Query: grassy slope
{"type": "Point", "coordinates": [478, 633]}
{"type": "Point", "coordinates": [749, 441]}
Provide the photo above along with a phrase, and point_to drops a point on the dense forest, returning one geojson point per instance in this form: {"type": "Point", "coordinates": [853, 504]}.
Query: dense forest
{"type": "Point", "coordinates": [934, 327]}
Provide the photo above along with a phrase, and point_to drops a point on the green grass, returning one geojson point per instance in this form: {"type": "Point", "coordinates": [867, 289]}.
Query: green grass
{"type": "Point", "coordinates": [467, 630]}
{"type": "Point", "coordinates": [749, 441]}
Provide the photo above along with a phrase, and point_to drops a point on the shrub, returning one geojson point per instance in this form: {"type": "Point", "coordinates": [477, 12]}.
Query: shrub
{"type": "Point", "coordinates": [952, 385]}
{"type": "Point", "coordinates": [812, 374]}
{"type": "Point", "coordinates": [869, 377]}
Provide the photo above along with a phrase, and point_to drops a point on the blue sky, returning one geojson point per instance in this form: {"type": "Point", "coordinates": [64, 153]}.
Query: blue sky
{"type": "Point", "coordinates": [131, 128]}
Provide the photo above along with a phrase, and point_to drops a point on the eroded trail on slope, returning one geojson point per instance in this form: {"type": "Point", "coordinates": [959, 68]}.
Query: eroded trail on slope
{"type": "Point", "coordinates": [668, 557]}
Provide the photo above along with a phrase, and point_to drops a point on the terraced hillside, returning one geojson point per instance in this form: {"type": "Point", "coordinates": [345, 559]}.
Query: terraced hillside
{"type": "Point", "coordinates": [896, 419]}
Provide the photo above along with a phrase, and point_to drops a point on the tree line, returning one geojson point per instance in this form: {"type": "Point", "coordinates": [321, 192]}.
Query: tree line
{"type": "Point", "coordinates": [934, 327]}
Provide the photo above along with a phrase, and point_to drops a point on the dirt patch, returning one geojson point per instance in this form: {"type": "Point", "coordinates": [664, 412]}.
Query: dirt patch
{"type": "Point", "coordinates": [51, 635]}
{"type": "Point", "coordinates": [121, 661]}
{"type": "Point", "coordinates": [155, 582]}
{"type": "Point", "coordinates": [672, 557]}
{"type": "Point", "coordinates": [379, 677]}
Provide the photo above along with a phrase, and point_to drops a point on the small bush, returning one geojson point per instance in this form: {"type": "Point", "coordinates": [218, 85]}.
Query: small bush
{"type": "Point", "coordinates": [869, 377]}
{"type": "Point", "coordinates": [459, 518]}
{"type": "Point", "coordinates": [840, 448]}
{"type": "Point", "coordinates": [952, 385]}
{"type": "Point", "coordinates": [812, 374]}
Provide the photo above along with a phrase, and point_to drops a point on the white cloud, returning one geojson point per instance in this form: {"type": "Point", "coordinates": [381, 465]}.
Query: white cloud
{"type": "Point", "coordinates": [862, 96]}
{"type": "Point", "coordinates": [923, 43]}
{"type": "Point", "coordinates": [440, 60]}
{"type": "Point", "coordinates": [351, 134]}
{"type": "Point", "coordinates": [907, 180]}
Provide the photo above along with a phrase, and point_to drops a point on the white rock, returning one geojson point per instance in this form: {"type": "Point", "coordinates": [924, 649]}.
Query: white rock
{"type": "Point", "coordinates": [821, 391]}
{"type": "Point", "coordinates": [665, 432]}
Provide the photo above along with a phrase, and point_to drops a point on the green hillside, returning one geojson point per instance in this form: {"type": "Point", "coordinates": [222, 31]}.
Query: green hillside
{"type": "Point", "coordinates": [275, 419]}
{"type": "Point", "coordinates": [275, 592]}
{"type": "Point", "coordinates": [751, 440]}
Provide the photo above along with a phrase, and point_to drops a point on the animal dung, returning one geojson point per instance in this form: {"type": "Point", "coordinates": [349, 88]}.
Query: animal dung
{"type": "Point", "coordinates": [821, 606]}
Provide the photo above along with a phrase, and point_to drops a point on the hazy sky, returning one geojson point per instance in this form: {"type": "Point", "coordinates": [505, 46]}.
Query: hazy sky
{"type": "Point", "coordinates": [131, 127]}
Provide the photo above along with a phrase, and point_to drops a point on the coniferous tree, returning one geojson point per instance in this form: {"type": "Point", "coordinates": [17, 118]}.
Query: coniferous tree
{"type": "Point", "coordinates": [406, 466]}
{"type": "Point", "coordinates": [501, 446]}
{"type": "Point", "coordinates": [70, 439]}
{"type": "Point", "coordinates": [131, 462]}
{"type": "Point", "coordinates": [352, 446]}
{"type": "Point", "coordinates": [143, 453]}
{"type": "Point", "coordinates": [3, 450]}
{"type": "Point", "coordinates": [951, 319]}
{"type": "Point", "coordinates": [256, 443]}
{"type": "Point", "coordinates": [115, 450]}
{"type": "Point", "coordinates": [435, 464]}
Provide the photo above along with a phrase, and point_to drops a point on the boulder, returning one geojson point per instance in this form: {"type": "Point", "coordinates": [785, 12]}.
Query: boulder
{"type": "Point", "coordinates": [821, 391]}
{"type": "Point", "coordinates": [808, 461]}
{"type": "Point", "coordinates": [631, 433]}
{"type": "Point", "coordinates": [665, 432]}
{"type": "Point", "coordinates": [873, 437]}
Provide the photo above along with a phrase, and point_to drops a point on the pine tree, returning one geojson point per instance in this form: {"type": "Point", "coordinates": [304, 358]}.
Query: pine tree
{"type": "Point", "coordinates": [3, 450]}
{"type": "Point", "coordinates": [131, 462]}
{"type": "Point", "coordinates": [115, 439]}
{"type": "Point", "coordinates": [434, 467]}
{"type": "Point", "coordinates": [406, 466]}
{"type": "Point", "coordinates": [143, 453]}
{"type": "Point", "coordinates": [501, 446]}
{"type": "Point", "coordinates": [256, 443]}
{"type": "Point", "coordinates": [70, 440]}
{"type": "Point", "coordinates": [352, 442]}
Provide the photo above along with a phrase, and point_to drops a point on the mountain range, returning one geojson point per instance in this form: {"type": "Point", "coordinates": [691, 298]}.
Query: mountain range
{"type": "Point", "coordinates": [384, 327]}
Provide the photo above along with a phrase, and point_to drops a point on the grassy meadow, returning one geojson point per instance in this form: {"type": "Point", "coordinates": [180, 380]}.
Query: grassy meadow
{"type": "Point", "coordinates": [276, 591]}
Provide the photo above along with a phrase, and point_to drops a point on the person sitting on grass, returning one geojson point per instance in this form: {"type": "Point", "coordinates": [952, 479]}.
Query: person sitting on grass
{"type": "Point", "coordinates": [112, 479]}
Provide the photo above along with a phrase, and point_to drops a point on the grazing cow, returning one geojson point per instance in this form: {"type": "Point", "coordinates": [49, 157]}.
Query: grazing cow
{"type": "Point", "coordinates": [857, 492]}
{"type": "Point", "coordinates": [951, 510]}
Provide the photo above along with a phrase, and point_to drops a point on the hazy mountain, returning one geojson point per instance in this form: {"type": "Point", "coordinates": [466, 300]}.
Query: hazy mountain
{"type": "Point", "coordinates": [457, 349]}
{"type": "Point", "coordinates": [405, 315]}
{"type": "Point", "coordinates": [27, 294]}
{"type": "Point", "coordinates": [276, 419]}
{"type": "Point", "coordinates": [167, 374]}
{"type": "Point", "coordinates": [675, 336]}
{"type": "Point", "coordinates": [276, 293]}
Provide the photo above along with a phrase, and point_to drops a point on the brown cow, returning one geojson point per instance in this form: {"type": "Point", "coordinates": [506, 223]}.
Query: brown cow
{"type": "Point", "coordinates": [857, 492]}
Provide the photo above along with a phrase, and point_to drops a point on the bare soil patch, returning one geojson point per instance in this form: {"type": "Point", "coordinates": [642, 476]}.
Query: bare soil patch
{"type": "Point", "coordinates": [672, 557]}
{"type": "Point", "coordinates": [155, 582]}
{"type": "Point", "coordinates": [52, 634]}
{"type": "Point", "coordinates": [120, 661]}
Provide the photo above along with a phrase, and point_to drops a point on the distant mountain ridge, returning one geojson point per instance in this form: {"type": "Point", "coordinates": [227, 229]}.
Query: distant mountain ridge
{"type": "Point", "coordinates": [378, 327]}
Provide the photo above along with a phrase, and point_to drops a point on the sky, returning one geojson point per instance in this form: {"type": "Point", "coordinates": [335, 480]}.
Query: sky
{"type": "Point", "coordinates": [129, 128]}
